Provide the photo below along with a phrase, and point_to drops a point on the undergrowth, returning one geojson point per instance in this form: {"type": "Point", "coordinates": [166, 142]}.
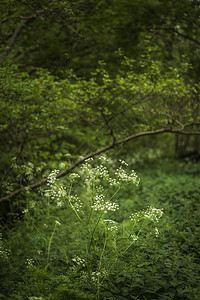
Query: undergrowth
{"type": "Point", "coordinates": [100, 234]}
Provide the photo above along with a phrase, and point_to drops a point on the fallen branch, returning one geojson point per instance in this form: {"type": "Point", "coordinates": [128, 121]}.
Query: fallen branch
{"type": "Point", "coordinates": [93, 154]}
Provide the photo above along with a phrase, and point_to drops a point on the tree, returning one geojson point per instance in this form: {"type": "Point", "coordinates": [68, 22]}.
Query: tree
{"type": "Point", "coordinates": [101, 112]}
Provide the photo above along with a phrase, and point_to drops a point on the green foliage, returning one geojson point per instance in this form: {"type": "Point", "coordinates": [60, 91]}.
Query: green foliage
{"type": "Point", "coordinates": [75, 77]}
{"type": "Point", "coordinates": [76, 34]}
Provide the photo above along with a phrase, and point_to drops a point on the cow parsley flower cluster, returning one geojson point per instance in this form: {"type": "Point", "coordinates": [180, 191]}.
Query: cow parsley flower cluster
{"type": "Point", "coordinates": [98, 186]}
{"type": "Point", "coordinates": [52, 177]}
{"type": "Point", "coordinates": [101, 173]}
{"type": "Point", "coordinates": [100, 204]}
{"type": "Point", "coordinates": [151, 214]}
{"type": "Point", "coordinates": [103, 158]}
{"type": "Point", "coordinates": [29, 263]}
{"type": "Point", "coordinates": [55, 192]}
{"type": "Point", "coordinates": [73, 176]}
{"type": "Point", "coordinates": [111, 225]}
{"type": "Point", "coordinates": [122, 176]}
{"type": "Point", "coordinates": [76, 203]}
{"type": "Point", "coordinates": [123, 162]}
{"type": "Point", "coordinates": [93, 173]}
{"type": "Point", "coordinates": [99, 181]}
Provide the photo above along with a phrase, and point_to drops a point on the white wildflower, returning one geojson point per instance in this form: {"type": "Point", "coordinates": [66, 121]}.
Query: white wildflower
{"type": "Point", "coordinates": [123, 162]}
{"type": "Point", "coordinates": [100, 204]}
{"type": "Point", "coordinates": [89, 159]}
{"type": "Point", "coordinates": [79, 261]}
{"type": "Point", "coordinates": [125, 177]}
{"type": "Point", "coordinates": [103, 158]}
{"type": "Point", "coordinates": [57, 223]}
{"type": "Point", "coordinates": [111, 225]}
{"type": "Point", "coordinates": [61, 192]}
{"type": "Point", "coordinates": [92, 174]}
{"type": "Point", "coordinates": [136, 216]}
{"type": "Point", "coordinates": [29, 262]}
{"type": "Point", "coordinates": [113, 181]}
{"type": "Point", "coordinates": [73, 176]}
{"type": "Point", "coordinates": [59, 203]}
{"type": "Point", "coordinates": [52, 177]}
{"type": "Point", "coordinates": [156, 232]}
{"type": "Point", "coordinates": [75, 202]}
{"type": "Point", "coordinates": [134, 237]}
{"type": "Point", "coordinates": [153, 214]}
{"type": "Point", "coordinates": [56, 193]}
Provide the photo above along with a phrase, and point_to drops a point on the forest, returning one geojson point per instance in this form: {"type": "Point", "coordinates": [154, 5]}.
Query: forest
{"type": "Point", "coordinates": [99, 149]}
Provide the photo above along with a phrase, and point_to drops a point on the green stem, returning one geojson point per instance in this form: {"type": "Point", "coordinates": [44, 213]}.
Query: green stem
{"type": "Point", "coordinates": [102, 253]}
{"type": "Point", "coordinates": [49, 246]}
{"type": "Point", "coordinates": [13, 269]}
{"type": "Point", "coordinates": [99, 268]}
{"type": "Point", "coordinates": [76, 213]}
{"type": "Point", "coordinates": [133, 241]}
{"type": "Point", "coordinates": [94, 232]}
{"type": "Point", "coordinates": [72, 207]}
{"type": "Point", "coordinates": [119, 188]}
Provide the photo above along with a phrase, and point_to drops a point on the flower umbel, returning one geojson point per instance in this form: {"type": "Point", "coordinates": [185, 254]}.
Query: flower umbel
{"type": "Point", "coordinates": [151, 214]}
{"type": "Point", "coordinates": [100, 204]}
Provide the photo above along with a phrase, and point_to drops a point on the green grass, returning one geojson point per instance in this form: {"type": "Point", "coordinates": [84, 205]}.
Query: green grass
{"type": "Point", "coordinates": [164, 266]}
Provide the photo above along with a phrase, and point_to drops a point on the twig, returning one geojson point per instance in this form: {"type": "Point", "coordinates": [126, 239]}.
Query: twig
{"type": "Point", "coordinates": [108, 125]}
{"type": "Point", "coordinates": [185, 36]}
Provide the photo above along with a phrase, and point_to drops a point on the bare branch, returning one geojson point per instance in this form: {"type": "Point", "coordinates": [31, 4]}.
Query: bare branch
{"type": "Point", "coordinates": [172, 119]}
{"type": "Point", "coordinates": [18, 30]}
{"type": "Point", "coordinates": [185, 36]}
{"type": "Point", "coordinates": [96, 153]}
{"type": "Point", "coordinates": [14, 37]}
